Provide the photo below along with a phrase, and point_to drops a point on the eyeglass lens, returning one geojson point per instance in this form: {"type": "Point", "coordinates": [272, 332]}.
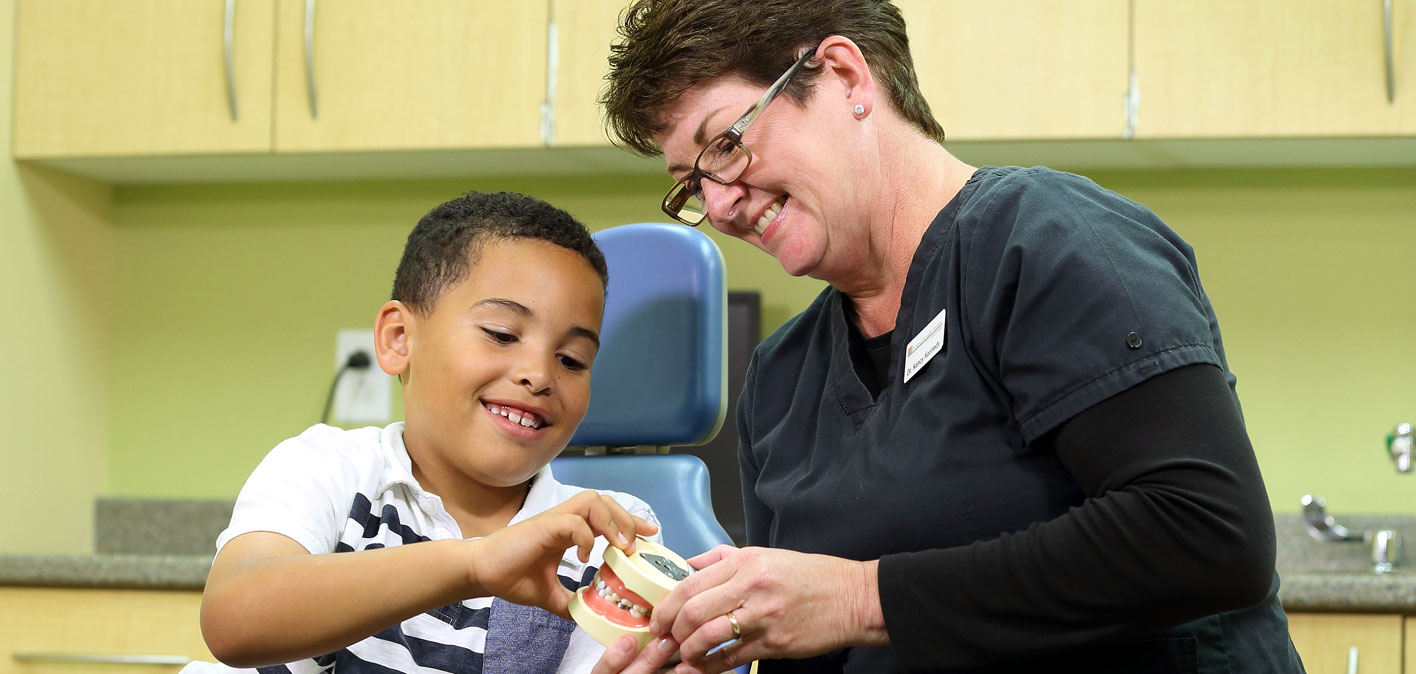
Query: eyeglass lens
{"type": "Point", "coordinates": [722, 161]}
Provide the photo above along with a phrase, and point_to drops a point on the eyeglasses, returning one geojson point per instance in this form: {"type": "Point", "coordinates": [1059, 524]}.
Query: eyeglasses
{"type": "Point", "coordinates": [724, 159]}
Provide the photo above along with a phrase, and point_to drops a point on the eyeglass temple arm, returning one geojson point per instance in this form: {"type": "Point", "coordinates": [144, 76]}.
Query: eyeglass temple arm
{"type": "Point", "coordinates": [750, 116]}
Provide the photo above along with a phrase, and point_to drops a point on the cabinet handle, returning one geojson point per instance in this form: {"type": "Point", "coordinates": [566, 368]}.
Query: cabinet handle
{"type": "Point", "coordinates": [228, 31]}
{"type": "Point", "coordinates": [310, 57]}
{"type": "Point", "coordinates": [1352, 660]}
{"type": "Point", "coordinates": [1390, 67]}
{"type": "Point", "coordinates": [102, 659]}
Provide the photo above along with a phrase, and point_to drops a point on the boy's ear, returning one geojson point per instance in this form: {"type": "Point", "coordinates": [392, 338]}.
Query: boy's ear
{"type": "Point", "coordinates": [391, 338]}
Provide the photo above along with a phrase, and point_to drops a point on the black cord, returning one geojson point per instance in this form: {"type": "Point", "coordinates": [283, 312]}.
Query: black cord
{"type": "Point", "coordinates": [359, 360]}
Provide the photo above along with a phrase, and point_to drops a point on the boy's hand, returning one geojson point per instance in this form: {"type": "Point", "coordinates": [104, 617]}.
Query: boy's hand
{"type": "Point", "coordinates": [519, 562]}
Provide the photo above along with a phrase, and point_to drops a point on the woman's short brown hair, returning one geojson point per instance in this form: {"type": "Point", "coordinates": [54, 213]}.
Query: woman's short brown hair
{"type": "Point", "coordinates": [668, 46]}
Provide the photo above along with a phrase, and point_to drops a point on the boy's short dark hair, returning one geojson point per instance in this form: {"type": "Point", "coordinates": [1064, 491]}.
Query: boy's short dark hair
{"type": "Point", "coordinates": [668, 46]}
{"type": "Point", "coordinates": [448, 240]}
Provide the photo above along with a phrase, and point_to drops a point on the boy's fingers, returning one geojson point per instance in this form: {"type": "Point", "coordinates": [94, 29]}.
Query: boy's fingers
{"type": "Point", "coordinates": [644, 526]}
{"type": "Point", "coordinates": [590, 505]}
{"type": "Point", "coordinates": [559, 603]}
{"type": "Point", "coordinates": [583, 537]}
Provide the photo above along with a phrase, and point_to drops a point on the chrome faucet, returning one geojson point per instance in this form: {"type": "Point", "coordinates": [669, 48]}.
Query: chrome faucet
{"type": "Point", "coordinates": [1386, 544]}
{"type": "Point", "coordinates": [1400, 446]}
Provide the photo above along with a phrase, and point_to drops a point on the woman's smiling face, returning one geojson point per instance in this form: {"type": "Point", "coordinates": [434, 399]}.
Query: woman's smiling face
{"type": "Point", "coordinates": [796, 193]}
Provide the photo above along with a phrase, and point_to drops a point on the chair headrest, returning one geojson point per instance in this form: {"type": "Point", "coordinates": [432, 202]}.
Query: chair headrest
{"type": "Point", "coordinates": [660, 376]}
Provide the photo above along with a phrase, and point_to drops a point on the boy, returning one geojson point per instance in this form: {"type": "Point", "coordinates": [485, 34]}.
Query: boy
{"type": "Point", "coordinates": [492, 330]}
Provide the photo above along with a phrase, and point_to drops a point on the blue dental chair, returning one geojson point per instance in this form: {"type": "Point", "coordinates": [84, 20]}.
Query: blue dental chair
{"type": "Point", "coordinates": [660, 379]}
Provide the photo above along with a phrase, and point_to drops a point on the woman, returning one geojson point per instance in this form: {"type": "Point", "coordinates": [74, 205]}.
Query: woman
{"type": "Point", "coordinates": [1004, 438]}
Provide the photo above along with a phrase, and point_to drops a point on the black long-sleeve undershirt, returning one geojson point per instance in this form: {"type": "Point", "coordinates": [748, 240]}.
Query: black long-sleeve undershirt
{"type": "Point", "coordinates": [1176, 526]}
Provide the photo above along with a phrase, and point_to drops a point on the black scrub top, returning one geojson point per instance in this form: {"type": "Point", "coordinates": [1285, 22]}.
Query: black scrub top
{"type": "Point", "coordinates": [1056, 295]}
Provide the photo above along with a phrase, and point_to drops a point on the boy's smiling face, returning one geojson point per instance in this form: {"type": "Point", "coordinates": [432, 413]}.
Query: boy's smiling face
{"type": "Point", "coordinates": [497, 374]}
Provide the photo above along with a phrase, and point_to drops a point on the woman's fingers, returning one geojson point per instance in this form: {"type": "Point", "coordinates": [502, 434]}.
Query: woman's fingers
{"type": "Point", "coordinates": [666, 616]}
{"type": "Point", "coordinates": [713, 633]}
{"type": "Point", "coordinates": [617, 657]}
{"type": "Point", "coordinates": [712, 556]}
{"type": "Point", "coordinates": [620, 657]}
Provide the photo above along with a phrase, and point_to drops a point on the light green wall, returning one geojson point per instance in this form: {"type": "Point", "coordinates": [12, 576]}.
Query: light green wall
{"type": "Point", "coordinates": [1313, 277]}
{"type": "Point", "coordinates": [228, 298]}
{"type": "Point", "coordinates": [57, 251]}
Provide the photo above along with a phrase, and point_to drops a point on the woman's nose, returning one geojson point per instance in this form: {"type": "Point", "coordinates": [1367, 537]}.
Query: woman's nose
{"type": "Point", "coordinates": [721, 202]}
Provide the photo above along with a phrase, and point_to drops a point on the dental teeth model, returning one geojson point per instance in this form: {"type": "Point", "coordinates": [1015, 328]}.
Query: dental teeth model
{"type": "Point", "coordinates": [622, 598]}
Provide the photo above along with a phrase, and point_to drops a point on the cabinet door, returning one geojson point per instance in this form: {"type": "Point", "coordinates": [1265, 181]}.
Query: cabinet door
{"type": "Point", "coordinates": [49, 622]}
{"type": "Point", "coordinates": [584, 30]}
{"type": "Point", "coordinates": [1324, 641]}
{"type": "Point", "coordinates": [1021, 69]}
{"type": "Point", "coordinates": [1411, 645]}
{"type": "Point", "coordinates": [1218, 68]}
{"type": "Point", "coordinates": [140, 77]}
{"type": "Point", "coordinates": [410, 75]}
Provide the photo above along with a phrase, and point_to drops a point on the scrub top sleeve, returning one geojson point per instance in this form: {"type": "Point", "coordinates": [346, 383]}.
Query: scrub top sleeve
{"type": "Point", "coordinates": [757, 517]}
{"type": "Point", "coordinates": [1177, 527]}
{"type": "Point", "coordinates": [1073, 293]}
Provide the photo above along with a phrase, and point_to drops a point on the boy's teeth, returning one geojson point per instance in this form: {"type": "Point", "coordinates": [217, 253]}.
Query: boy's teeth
{"type": "Point", "coordinates": [527, 419]}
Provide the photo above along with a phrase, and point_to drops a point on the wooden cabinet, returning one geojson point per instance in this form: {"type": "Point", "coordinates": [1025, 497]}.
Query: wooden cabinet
{"type": "Point", "coordinates": [1325, 641]}
{"type": "Point", "coordinates": [584, 31]}
{"type": "Point", "coordinates": [141, 77]}
{"type": "Point", "coordinates": [1009, 69]}
{"type": "Point", "coordinates": [38, 623]}
{"type": "Point", "coordinates": [1266, 68]}
{"type": "Point", "coordinates": [1021, 69]}
{"type": "Point", "coordinates": [1411, 645]}
{"type": "Point", "coordinates": [410, 75]}
{"type": "Point", "coordinates": [149, 77]}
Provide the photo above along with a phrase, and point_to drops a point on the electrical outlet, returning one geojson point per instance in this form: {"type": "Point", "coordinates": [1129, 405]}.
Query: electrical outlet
{"type": "Point", "coordinates": [362, 396]}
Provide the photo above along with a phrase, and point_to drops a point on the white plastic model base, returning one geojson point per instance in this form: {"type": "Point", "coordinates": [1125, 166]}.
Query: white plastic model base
{"type": "Point", "coordinates": [622, 598]}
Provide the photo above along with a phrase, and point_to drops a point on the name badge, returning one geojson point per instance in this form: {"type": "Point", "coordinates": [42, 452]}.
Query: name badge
{"type": "Point", "coordinates": [928, 343]}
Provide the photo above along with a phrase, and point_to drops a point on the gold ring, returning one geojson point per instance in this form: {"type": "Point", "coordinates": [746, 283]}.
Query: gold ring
{"type": "Point", "coordinates": [732, 620]}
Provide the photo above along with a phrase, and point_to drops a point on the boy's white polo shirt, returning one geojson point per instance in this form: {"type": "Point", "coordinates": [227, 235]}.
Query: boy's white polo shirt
{"type": "Point", "coordinates": [335, 490]}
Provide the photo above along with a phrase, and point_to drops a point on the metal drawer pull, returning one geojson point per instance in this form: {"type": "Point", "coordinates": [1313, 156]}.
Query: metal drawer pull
{"type": "Point", "coordinates": [228, 30]}
{"type": "Point", "coordinates": [310, 57]}
{"type": "Point", "coordinates": [1390, 67]}
{"type": "Point", "coordinates": [102, 658]}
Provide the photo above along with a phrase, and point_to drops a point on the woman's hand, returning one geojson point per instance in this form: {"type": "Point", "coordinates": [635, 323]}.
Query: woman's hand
{"type": "Point", "coordinates": [787, 605]}
{"type": "Point", "coordinates": [619, 657]}
{"type": "Point", "coordinates": [519, 563]}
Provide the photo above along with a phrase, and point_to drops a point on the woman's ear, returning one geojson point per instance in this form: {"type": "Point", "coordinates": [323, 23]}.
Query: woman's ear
{"type": "Point", "coordinates": [392, 344]}
{"type": "Point", "coordinates": [844, 62]}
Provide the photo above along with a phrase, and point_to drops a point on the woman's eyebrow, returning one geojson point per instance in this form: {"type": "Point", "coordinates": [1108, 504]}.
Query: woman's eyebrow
{"type": "Point", "coordinates": [700, 136]}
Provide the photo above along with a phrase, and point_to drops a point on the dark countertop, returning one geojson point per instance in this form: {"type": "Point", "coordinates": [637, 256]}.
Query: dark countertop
{"type": "Point", "coordinates": [137, 572]}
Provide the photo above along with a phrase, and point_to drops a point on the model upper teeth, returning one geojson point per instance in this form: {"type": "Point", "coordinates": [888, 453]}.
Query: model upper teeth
{"type": "Point", "coordinates": [527, 419]}
{"type": "Point", "coordinates": [770, 215]}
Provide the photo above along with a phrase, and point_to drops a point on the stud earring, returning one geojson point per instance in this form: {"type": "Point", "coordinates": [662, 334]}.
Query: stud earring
{"type": "Point", "coordinates": [859, 110]}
